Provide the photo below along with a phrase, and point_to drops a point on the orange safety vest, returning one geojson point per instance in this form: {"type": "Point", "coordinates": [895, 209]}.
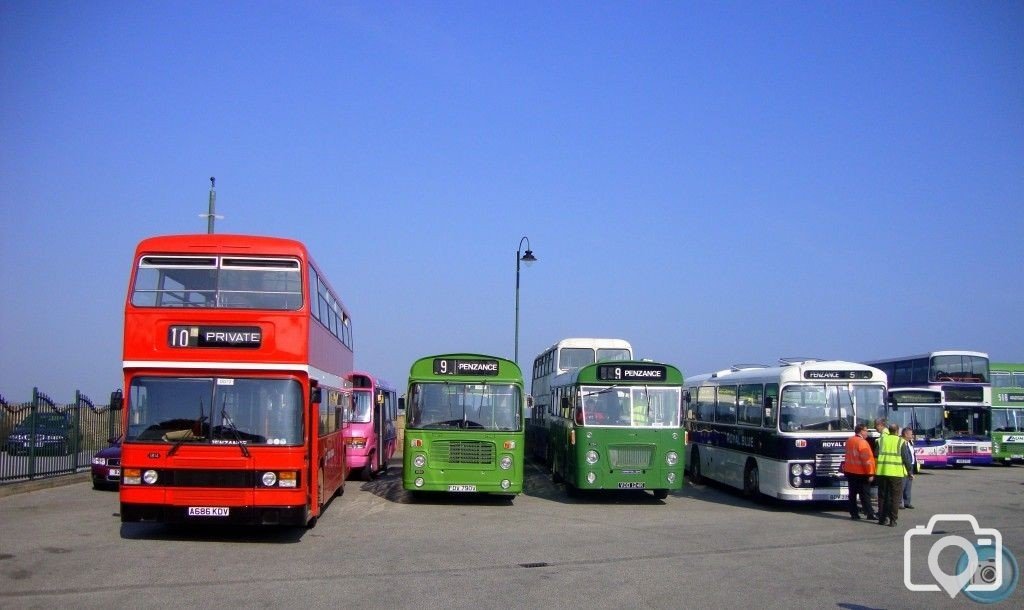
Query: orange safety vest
{"type": "Point", "coordinates": [859, 457]}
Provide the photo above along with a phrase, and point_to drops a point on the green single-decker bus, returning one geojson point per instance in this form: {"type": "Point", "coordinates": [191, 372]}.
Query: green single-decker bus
{"type": "Point", "coordinates": [617, 425]}
{"type": "Point", "coordinates": [464, 428]}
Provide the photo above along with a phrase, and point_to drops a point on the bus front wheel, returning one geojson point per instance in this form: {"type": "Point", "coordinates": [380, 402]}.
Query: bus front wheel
{"type": "Point", "coordinates": [368, 472]}
{"type": "Point", "coordinates": [661, 494]}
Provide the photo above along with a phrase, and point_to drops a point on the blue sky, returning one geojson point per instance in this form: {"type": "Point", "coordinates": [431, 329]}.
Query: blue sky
{"type": "Point", "coordinates": [717, 182]}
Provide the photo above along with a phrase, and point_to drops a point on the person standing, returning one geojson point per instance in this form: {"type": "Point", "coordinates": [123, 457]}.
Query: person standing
{"type": "Point", "coordinates": [890, 472]}
{"type": "Point", "coordinates": [876, 442]}
{"type": "Point", "coordinates": [910, 462]}
{"type": "Point", "coordinates": [859, 467]}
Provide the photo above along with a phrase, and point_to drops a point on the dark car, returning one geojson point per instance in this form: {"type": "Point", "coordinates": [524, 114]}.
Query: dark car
{"type": "Point", "coordinates": [43, 433]}
{"type": "Point", "coordinates": [106, 466]}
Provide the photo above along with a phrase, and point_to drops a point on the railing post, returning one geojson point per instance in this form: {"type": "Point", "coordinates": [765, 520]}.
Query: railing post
{"type": "Point", "coordinates": [76, 443]}
{"type": "Point", "coordinates": [32, 433]}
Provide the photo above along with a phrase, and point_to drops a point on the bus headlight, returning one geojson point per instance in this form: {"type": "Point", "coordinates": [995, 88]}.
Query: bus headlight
{"type": "Point", "coordinates": [808, 470]}
{"type": "Point", "coordinates": [671, 477]}
{"type": "Point", "coordinates": [797, 481]}
{"type": "Point", "coordinates": [592, 457]}
{"type": "Point", "coordinates": [794, 470]}
{"type": "Point", "coordinates": [149, 477]}
{"type": "Point", "coordinates": [269, 479]}
{"type": "Point", "coordinates": [591, 477]}
{"type": "Point", "coordinates": [505, 483]}
{"type": "Point", "coordinates": [506, 462]}
{"type": "Point", "coordinates": [419, 461]}
{"type": "Point", "coordinates": [418, 482]}
{"type": "Point", "coordinates": [671, 458]}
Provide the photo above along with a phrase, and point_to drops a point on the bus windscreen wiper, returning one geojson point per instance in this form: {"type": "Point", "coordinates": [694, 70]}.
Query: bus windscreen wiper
{"type": "Point", "coordinates": [188, 434]}
{"type": "Point", "coordinates": [231, 426]}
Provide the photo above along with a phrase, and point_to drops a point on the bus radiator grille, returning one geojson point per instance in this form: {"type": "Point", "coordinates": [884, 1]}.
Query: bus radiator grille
{"type": "Point", "coordinates": [465, 452]}
{"type": "Point", "coordinates": [630, 456]}
{"type": "Point", "coordinates": [828, 464]}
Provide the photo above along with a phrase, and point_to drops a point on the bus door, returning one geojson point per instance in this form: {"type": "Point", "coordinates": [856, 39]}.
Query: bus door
{"type": "Point", "coordinates": [380, 417]}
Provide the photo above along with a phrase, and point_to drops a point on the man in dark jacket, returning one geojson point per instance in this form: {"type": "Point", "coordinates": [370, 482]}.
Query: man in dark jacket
{"type": "Point", "coordinates": [910, 462]}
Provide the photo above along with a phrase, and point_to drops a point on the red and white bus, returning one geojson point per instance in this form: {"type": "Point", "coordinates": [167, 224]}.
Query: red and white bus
{"type": "Point", "coordinates": [236, 356]}
{"type": "Point", "coordinates": [370, 434]}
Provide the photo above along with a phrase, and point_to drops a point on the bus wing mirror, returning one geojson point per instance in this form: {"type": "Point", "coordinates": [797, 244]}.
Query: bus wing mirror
{"type": "Point", "coordinates": [401, 403]}
{"type": "Point", "coordinates": [686, 396]}
{"type": "Point", "coordinates": [116, 400]}
{"type": "Point", "coordinates": [315, 396]}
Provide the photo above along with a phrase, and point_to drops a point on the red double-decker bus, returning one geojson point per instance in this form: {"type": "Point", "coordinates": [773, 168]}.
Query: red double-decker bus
{"type": "Point", "coordinates": [236, 351]}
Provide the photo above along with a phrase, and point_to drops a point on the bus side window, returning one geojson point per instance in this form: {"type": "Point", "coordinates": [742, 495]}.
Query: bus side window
{"type": "Point", "coordinates": [771, 397]}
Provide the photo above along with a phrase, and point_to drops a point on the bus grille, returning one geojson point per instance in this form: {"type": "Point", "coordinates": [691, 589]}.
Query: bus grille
{"type": "Point", "coordinates": [630, 456]}
{"type": "Point", "coordinates": [828, 464]}
{"type": "Point", "coordinates": [465, 452]}
{"type": "Point", "coordinates": [969, 449]}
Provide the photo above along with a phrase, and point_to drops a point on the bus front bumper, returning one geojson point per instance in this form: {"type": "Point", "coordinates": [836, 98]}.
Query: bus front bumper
{"type": "Point", "coordinates": [234, 515]}
{"type": "Point", "coordinates": [826, 494]}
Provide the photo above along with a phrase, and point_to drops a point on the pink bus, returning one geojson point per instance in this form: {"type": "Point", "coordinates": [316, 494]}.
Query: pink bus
{"type": "Point", "coordinates": [370, 436]}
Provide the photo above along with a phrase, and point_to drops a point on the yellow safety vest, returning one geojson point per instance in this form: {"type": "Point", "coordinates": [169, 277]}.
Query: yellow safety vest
{"type": "Point", "coordinates": [890, 457]}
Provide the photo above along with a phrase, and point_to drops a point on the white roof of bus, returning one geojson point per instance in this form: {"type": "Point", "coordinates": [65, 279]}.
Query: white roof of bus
{"type": "Point", "coordinates": [948, 352]}
{"type": "Point", "coordinates": [777, 372]}
{"type": "Point", "coordinates": [592, 342]}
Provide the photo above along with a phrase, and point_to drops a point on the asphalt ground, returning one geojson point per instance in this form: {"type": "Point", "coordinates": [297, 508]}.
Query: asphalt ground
{"type": "Point", "coordinates": [377, 547]}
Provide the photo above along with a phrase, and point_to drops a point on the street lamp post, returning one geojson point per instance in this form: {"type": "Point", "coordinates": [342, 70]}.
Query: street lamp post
{"type": "Point", "coordinates": [528, 258]}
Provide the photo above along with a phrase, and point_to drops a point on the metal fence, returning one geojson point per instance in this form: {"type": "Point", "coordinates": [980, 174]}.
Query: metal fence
{"type": "Point", "coordinates": [44, 439]}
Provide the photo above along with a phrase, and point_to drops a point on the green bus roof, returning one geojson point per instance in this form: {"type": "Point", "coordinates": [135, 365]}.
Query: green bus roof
{"type": "Point", "coordinates": [1007, 367]}
{"type": "Point", "coordinates": [465, 367]}
{"type": "Point", "coordinates": [617, 372]}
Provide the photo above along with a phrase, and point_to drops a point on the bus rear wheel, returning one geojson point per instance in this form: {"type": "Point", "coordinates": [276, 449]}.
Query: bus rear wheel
{"type": "Point", "coordinates": [751, 480]}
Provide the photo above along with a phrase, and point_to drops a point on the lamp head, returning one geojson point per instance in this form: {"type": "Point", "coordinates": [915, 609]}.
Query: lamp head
{"type": "Point", "coordinates": [528, 258]}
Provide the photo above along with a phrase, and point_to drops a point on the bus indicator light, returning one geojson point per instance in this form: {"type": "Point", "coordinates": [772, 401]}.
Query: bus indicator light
{"type": "Point", "coordinates": [416, 442]}
{"type": "Point", "coordinates": [509, 445]}
{"type": "Point", "coordinates": [288, 479]}
{"type": "Point", "coordinates": [801, 443]}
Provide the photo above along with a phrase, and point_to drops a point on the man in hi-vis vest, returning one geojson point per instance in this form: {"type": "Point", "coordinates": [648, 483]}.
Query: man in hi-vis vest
{"type": "Point", "coordinates": [890, 472]}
